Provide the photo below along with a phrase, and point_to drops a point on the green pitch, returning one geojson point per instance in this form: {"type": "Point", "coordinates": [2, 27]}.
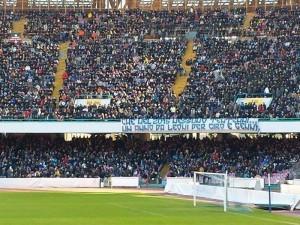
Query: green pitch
{"type": "Point", "coordinates": [122, 209]}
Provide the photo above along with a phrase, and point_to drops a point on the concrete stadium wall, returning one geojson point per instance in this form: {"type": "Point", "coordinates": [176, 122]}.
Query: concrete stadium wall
{"type": "Point", "coordinates": [238, 195]}
{"type": "Point", "coordinates": [27, 183]}
{"type": "Point", "coordinates": [31, 183]}
{"type": "Point", "coordinates": [290, 189]}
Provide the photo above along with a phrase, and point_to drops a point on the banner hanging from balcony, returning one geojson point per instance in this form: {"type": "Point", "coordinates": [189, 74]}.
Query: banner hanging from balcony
{"type": "Point", "coordinates": [92, 101]}
{"type": "Point", "coordinates": [248, 125]}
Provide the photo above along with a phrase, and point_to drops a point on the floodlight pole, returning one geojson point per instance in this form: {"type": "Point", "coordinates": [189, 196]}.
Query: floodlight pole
{"type": "Point", "coordinates": [269, 187]}
{"type": "Point", "coordinates": [225, 189]}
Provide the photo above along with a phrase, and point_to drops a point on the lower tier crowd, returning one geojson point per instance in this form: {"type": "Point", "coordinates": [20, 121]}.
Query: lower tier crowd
{"type": "Point", "coordinates": [44, 156]}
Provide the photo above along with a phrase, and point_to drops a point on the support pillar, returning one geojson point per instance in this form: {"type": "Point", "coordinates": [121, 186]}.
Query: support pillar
{"type": "Point", "coordinates": [132, 4]}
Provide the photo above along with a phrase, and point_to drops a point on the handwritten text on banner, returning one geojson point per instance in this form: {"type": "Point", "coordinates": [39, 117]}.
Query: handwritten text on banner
{"type": "Point", "coordinates": [189, 125]}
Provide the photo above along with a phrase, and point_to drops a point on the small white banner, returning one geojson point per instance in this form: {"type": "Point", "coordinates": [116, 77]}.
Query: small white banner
{"type": "Point", "coordinates": [92, 101]}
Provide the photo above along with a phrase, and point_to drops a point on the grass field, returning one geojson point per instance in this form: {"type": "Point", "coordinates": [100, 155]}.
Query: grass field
{"type": "Point", "coordinates": [46, 208]}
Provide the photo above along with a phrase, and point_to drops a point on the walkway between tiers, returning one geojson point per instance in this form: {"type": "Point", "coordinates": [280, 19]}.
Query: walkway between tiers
{"type": "Point", "coordinates": [181, 80]}
{"type": "Point", "coordinates": [61, 68]}
{"type": "Point", "coordinates": [18, 27]}
{"type": "Point", "coordinates": [247, 20]}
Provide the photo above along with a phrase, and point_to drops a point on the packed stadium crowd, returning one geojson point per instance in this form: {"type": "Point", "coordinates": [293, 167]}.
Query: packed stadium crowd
{"type": "Point", "coordinates": [138, 76]}
{"type": "Point", "coordinates": [6, 23]}
{"type": "Point", "coordinates": [127, 156]}
{"type": "Point", "coordinates": [27, 74]}
{"type": "Point", "coordinates": [111, 56]}
{"type": "Point", "coordinates": [225, 69]}
{"type": "Point", "coordinates": [117, 24]}
{"type": "Point", "coordinates": [276, 22]}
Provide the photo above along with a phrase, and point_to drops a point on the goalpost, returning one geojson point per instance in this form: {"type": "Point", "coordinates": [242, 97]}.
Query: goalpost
{"type": "Point", "coordinates": [211, 179]}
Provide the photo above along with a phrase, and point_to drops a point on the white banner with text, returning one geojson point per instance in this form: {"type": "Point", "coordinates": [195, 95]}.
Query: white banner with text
{"type": "Point", "coordinates": [241, 125]}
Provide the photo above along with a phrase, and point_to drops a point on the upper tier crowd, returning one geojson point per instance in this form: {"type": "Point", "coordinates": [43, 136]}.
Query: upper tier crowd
{"type": "Point", "coordinates": [127, 156]}
{"type": "Point", "coordinates": [132, 59]}
{"type": "Point", "coordinates": [116, 24]}
{"type": "Point", "coordinates": [27, 72]}
{"type": "Point", "coordinates": [136, 75]}
{"type": "Point", "coordinates": [6, 23]}
{"type": "Point", "coordinates": [224, 69]}
{"type": "Point", "coordinates": [276, 22]}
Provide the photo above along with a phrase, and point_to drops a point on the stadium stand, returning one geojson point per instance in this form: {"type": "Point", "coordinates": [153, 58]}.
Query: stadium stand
{"type": "Point", "coordinates": [237, 66]}
{"type": "Point", "coordinates": [116, 24]}
{"type": "Point", "coordinates": [6, 23]}
{"type": "Point", "coordinates": [259, 67]}
{"type": "Point", "coordinates": [221, 23]}
{"type": "Point", "coordinates": [138, 75]}
{"type": "Point", "coordinates": [126, 156]}
{"type": "Point", "coordinates": [53, 25]}
{"type": "Point", "coordinates": [276, 22]}
{"type": "Point", "coordinates": [27, 74]}
{"type": "Point", "coordinates": [200, 97]}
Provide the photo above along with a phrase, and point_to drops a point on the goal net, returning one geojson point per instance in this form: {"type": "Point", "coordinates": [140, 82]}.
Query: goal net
{"type": "Point", "coordinates": [203, 180]}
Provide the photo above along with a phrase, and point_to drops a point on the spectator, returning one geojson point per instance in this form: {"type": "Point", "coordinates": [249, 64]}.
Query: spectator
{"type": "Point", "coordinates": [225, 69]}
{"type": "Point", "coordinates": [136, 75]}
{"type": "Point", "coordinates": [27, 73]}
{"type": "Point", "coordinates": [98, 156]}
{"type": "Point", "coordinates": [132, 58]}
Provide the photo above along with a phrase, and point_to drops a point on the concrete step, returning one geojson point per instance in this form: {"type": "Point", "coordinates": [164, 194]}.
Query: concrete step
{"type": "Point", "coordinates": [18, 26]}
{"type": "Point", "coordinates": [61, 68]}
{"type": "Point", "coordinates": [181, 80]}
{"type": "Point", "coordinates": [247, 20]}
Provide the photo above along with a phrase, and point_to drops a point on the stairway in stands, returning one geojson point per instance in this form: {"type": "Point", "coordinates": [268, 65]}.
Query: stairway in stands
{"type": "Point", "coordinates": [249, 16]}
{"type": "Point", "coordinates": [18, 27]}
{"type": "Point", "coordinates": [61, 68]}
{"type": "Point", "coordinates": [164, 170]}
{"type": "Point", "coordinates": [156, 4]}
{"type": "Point", "coordinates": [181, 80]}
